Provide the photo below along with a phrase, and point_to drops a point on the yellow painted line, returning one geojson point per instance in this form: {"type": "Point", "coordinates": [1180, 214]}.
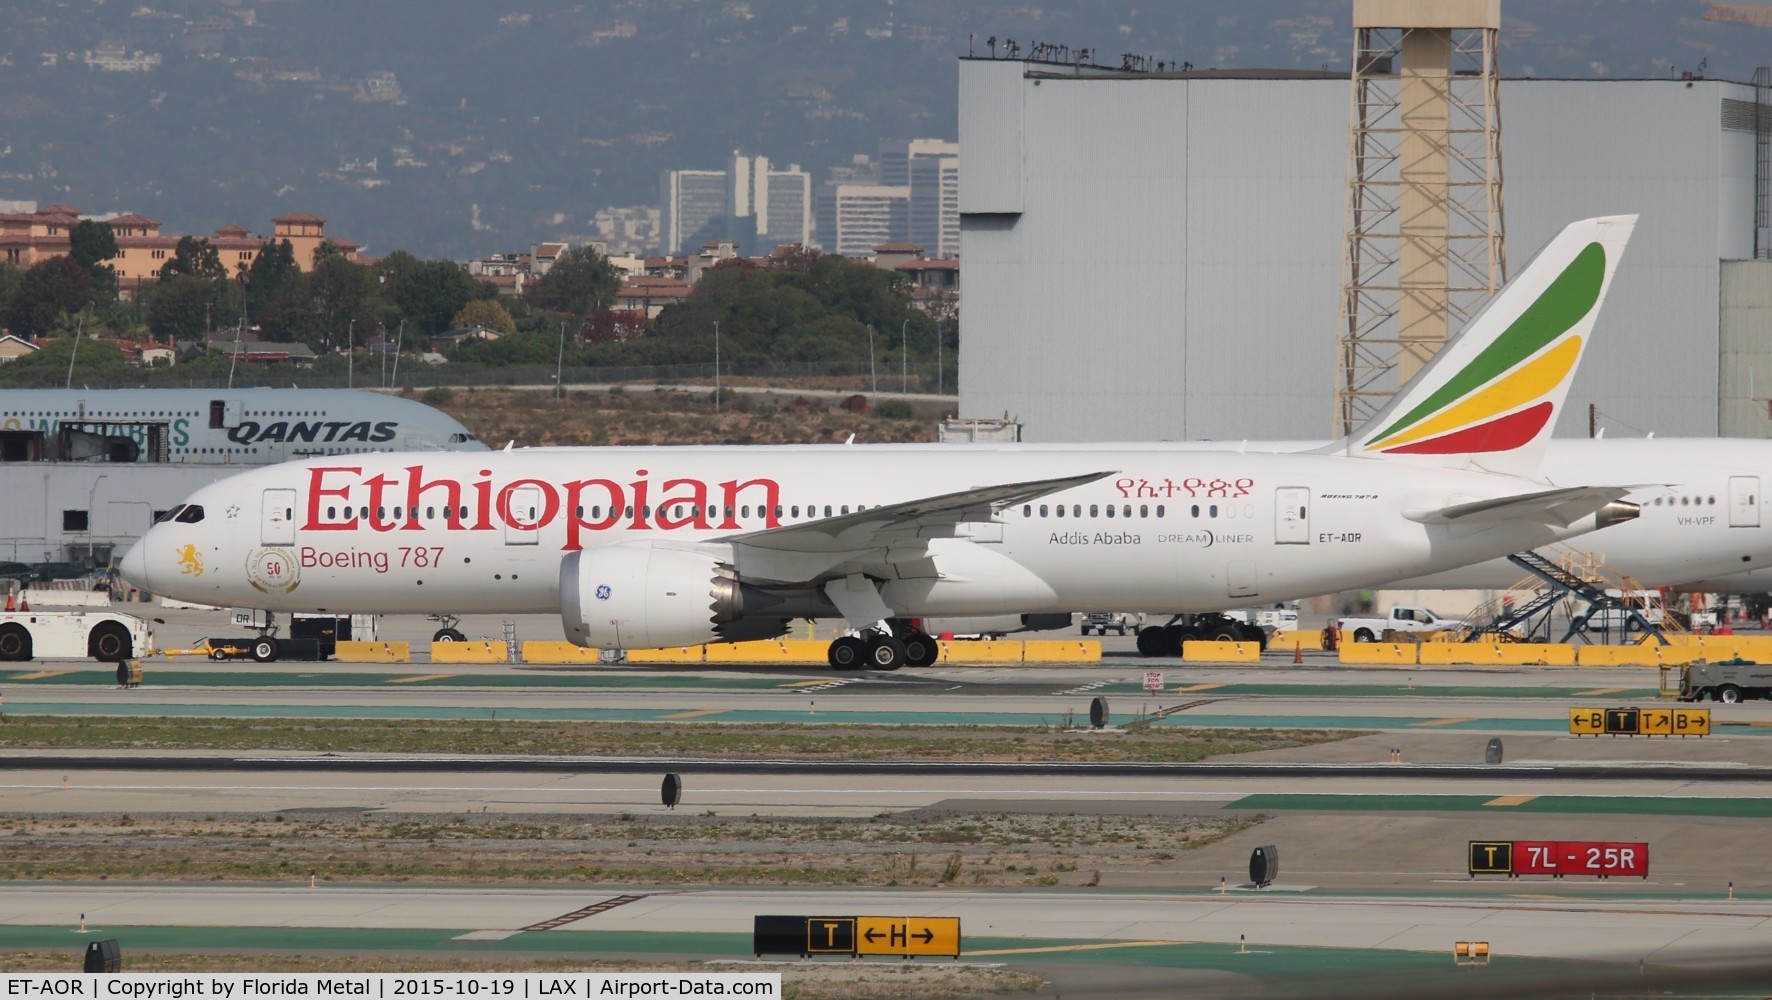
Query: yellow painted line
{"type": "Point", "coordinates": [1185, 690]}
{"type": "Point", "coordinates": [40, 675]}
{"type": "Point", "coordinates": [1073, 947]}
{"type": "Point", "coordinates": [420, 677]}
{"type": "Point", "coordinates": [1599, 691]}
{"type": "Point", "coordinates": [698, 713]}
{"type": "Point", "coordinates": [1510, 800]}
{"type": "Point", "coordinates": [801, 684]}
{"type": "Point", "coordinates": [1441, 722]}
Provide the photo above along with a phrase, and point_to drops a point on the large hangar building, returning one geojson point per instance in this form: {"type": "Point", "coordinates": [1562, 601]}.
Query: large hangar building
{"type": "Point", "coordinates": [1159, 256]}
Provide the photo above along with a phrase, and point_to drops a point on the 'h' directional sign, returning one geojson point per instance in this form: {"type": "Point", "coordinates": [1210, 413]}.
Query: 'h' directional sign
{"type": "Point", "coordinates": [907, 936]}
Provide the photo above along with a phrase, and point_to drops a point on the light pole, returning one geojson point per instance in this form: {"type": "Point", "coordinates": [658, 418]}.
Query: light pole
{"type": "Point", "coordinates": [560, 361]}
{"type": "Point", "coordinates": [873, 383]}
{"type": "Point", "coordinates": [399, 341]}
{"type": "Point", "coordinates": [351, 354]}
{"type": "Point", "coordinates": [716, 366]}
{"type": "Point", "coordinates": [904, 356]}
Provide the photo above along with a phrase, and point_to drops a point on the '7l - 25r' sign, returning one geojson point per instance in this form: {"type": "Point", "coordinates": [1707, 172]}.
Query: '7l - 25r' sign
{"type": "Point", "coordinates": [1557, 858]}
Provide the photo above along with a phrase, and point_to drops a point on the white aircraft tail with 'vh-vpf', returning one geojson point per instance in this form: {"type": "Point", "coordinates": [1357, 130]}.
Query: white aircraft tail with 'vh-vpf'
{"type": "Point", "coordinates": [646, 547]}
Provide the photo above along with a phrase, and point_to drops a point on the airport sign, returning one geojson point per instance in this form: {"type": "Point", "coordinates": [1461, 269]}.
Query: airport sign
{"type": "Point", "coordinates": [1557, 858]}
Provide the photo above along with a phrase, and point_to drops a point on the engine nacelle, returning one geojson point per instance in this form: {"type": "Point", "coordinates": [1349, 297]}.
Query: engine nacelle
{"type": "Point", "coordinates": [642, 596]}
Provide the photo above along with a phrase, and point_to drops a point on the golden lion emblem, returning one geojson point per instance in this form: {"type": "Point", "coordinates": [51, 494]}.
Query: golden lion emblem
{"type": "Point", "coordinates": [191, 562]}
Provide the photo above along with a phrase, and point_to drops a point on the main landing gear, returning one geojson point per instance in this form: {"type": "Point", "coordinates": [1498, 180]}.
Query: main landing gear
{"type": "Point", "coordinates": [881, 650]}
{"type": "Point", "coordinates": [1166, 640]}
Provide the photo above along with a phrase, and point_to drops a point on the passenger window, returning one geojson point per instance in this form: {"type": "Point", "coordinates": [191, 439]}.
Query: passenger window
{"type": "Point", "coordinates": [1195, 510]}
{"type": "Point", "coordinates": [1060, 510]}
{"type": "Point", "coordinates": [827, 510]}
{"type": "Point", "coordinates": [192, 514]}
{"type": "Point", "coordinates": [1110, 510]}
{"type": "Point", "coordinates": [1159, 510]}
{"type": "Point", "coordinates": [796, 510]}
{"type": "Point", "coordinates": [1212, 511]}
{"type": "Point", "coordinates": [1144, 510]}
{"type": "Point", "coordinates": [745, 511]}
{"type": "Point", "coordinates": [845, 508]}
{"type": "Point", "coordinates": [1027, 510]}
{"type": "Point", "coordinates": [1042, 510]}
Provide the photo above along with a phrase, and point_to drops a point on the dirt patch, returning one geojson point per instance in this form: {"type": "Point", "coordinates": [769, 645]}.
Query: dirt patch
{"type": "Point", "coordinates": [918, 850]}
{"type": "Point", "coordinates": [670, 416]}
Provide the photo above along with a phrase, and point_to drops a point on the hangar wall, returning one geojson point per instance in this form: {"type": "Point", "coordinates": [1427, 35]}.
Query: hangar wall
{"type": "Point", "coordinates": [1159, 258]}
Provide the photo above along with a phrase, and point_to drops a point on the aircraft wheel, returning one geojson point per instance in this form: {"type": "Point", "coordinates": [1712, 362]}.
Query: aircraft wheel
{"type": "Point", "coordinates": [885, 652]}
{"type": "Point", "coordinates": [847, 652]}
{"type": "Point", "coordinates": [1178, 634]}
{"type": "Point", "coordinates": [1152, 641]}
{"type": "Point", "coordinates": [1222, 633]}
{"type": "Point", "coordinates": [264, 649]}
{"type": "Point", "coordinates": [920, 650]}
{"type": "Point", "coordinates": [15, 642]}
{"type": "Point", "coordinates": [448, 635]}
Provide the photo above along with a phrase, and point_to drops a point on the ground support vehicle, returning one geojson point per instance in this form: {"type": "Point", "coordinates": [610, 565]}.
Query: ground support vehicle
{"type": "Point", "coordinates": [1166, 639]}
{"type": "Point", "coordinates": [1100, 622]}
{"type": "Point", "coordinates": [1728, 681]}
{"type": "Point", "coordinates": [66, 635]}
{"type": "Point", "coordinates": [262, 648]}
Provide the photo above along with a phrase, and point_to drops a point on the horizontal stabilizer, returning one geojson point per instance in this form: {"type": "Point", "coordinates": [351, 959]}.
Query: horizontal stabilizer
{"type": "Point", "coordinates": [1560, 507]}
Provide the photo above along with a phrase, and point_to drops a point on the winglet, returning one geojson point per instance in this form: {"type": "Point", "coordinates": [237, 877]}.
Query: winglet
{"type": "Point", "coordinates": [1490, 399]}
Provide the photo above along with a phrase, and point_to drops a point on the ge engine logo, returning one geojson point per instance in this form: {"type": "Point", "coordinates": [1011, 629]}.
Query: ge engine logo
{"type": "Point", "coordinates": [603, 592]}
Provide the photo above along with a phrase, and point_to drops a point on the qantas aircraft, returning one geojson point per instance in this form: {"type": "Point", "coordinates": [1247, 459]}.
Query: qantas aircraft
{"type": "Point", "coordinates": [647, 547]}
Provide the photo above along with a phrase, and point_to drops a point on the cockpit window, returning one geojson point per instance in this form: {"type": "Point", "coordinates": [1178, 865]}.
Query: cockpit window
{"type": "Point", "coordinates": [460, 437]}
{"type": "Point", "coordinates": [167, 515]}
{"type": "Point", "coordinates": [191, 514]}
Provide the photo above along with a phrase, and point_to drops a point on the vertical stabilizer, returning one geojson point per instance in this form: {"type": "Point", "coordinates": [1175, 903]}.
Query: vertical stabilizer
{"type": "Point", "coordinates": [1490, 399]}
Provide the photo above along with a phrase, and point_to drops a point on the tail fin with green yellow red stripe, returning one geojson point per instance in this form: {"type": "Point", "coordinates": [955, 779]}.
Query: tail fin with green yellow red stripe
{"type": "Point", "coordinates": [1491, 397]}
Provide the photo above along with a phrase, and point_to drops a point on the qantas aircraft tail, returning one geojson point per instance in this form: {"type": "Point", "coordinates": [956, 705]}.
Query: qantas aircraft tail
{"type": "Point", "coordinates": [1491, 397]}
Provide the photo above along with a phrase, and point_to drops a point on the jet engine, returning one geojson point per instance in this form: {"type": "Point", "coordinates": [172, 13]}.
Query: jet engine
{"type": "Point", "coordinates": [642, 596]}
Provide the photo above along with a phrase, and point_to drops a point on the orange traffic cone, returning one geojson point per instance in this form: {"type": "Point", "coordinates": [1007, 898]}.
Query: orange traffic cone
{"type": "Point", "coordinates": [1298, 652]}
{"type": "Point", "coordinates": [24, 604]}
{"type": "Point", "coordinates": [11, 601]}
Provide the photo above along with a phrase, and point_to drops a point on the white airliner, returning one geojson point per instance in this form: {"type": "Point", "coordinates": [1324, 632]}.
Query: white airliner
{"type": "Point", "coordinates": [218, 426]}
{"type": "Point", "coordinates": [646, 547]}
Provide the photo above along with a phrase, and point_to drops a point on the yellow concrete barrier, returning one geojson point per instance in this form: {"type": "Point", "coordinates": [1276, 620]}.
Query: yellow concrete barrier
{"type": "Point", "coordinates": [982, 651]}
{"type": "Point", "coordinates": [467, 652]}
{"type": "Point", "coordinates": [1550, 654]}
{"type": "Point", "coordinates": [767, 651]}
{"type": "Point", "coordinates": [1379, 654]}
{"type": "Point", "coordinates": [1301, 641]}
{"type": "Point", "coordinates": [352, 651]}
{"type": "Point", "coordinates": [670, 654]}
{"type": "Point", "coordinates": [1202, 651]}
{"type": "Point", "coordinates": [558, 651]}
{"type": "Point", "coordinates": [1061, 651]}
{"type": "Point", "coordinates": [1651, 655]}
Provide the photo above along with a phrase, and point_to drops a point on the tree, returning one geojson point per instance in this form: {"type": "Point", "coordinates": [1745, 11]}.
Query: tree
{"type": "Point", "coordinates": [194, 257]}
{"type": "Point", "coordinates": [526, 348]}
{"type": "Point", "coordinates": [487, 313]}
{"type": "Point", "coordinates": [344, 300]}
{"type": "Point", "coordinates": [90, 244]}
{"type": "Point", "coordinates": [187, 307]}
{"type": "Point", "coordinates": [429, 292]}
{"type": "Point", "coordinates": [47, 289]}
{"type": "Point", "coordinates": [97, 362]}
{"type": "Point", "coordinates": [581, 282]}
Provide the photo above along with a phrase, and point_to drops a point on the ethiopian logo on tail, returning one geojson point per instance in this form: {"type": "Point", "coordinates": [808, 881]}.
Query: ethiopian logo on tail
{"type": "Point", "coordinates": [1500, 400]}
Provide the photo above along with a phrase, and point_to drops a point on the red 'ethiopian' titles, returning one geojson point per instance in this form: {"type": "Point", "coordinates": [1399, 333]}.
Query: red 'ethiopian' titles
{"type": "Point", "coordinates": [533, 504]}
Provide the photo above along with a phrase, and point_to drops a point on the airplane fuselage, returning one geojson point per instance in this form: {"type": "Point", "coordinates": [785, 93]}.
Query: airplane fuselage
{"type": "Point", "coordinates": [1166, 530]}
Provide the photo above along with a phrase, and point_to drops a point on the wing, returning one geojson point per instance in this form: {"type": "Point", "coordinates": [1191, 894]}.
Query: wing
{"type": "Point", "coordinates": [934, 517]}
{"type": "Point", "coordinates": [1561, 507]}
{"type": "Point", "coordinates": [891, 540]}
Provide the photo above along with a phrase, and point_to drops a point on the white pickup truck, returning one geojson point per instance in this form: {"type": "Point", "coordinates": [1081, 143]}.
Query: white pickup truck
{"type": "Point", "coordinates": [1401, 619]}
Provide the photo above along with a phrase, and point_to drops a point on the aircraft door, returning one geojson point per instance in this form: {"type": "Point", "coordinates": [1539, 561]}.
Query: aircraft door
{"type": "Point", "coordinates": [277, 526]}
{"type": "Point", "coordinates": [1744, 501]}
{"type": "Point", "coordinates": [522, 509]}
{"type": "Point", "coordinates": [1292, 515]}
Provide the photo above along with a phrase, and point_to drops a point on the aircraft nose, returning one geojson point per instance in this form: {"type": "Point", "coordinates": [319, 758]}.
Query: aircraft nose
{"type": "Point", "coordinates": [133, 567]}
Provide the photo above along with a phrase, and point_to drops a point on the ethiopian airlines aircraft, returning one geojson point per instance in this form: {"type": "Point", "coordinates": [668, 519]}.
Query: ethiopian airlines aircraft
{"type": "Point", "coordinates": [645, 547]}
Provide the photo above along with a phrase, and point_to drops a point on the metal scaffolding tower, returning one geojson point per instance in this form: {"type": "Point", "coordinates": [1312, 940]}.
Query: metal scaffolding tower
{"type": "Point", "coordinates": [1424, 247]}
